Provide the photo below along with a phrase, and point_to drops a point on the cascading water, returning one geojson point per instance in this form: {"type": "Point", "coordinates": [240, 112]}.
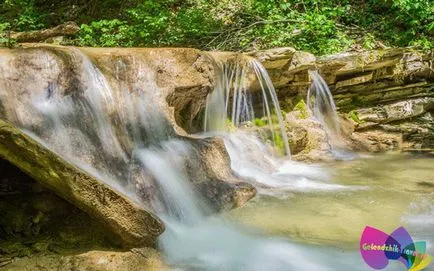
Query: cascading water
{"type": "Point", "coordinates": [123, 138]}
{"type": "Point", "coordinates": [96, 128]}
{"type": "Point", "coordinates": [252, 160]}
{"type": "Point", "coordinates": [322, 106]}
{"type": "Point", "coordinates": [231, 99]}
{"type": "Point", "coordinates": [250, 157]}
{"type": "Point", "coordinates": [193, 240]}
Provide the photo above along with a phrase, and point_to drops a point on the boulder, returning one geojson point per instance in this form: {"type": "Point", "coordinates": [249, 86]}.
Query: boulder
{"type": "Point", "coordinates": [315, 144]}
{"type": "Point", "coordinates": [133, 224]}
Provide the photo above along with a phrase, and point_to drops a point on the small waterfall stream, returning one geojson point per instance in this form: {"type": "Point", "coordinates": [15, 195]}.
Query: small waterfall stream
{"type": "Point", "coordinates": [99, 129]}
{"type": "Point", "coordinates": [322, 106]}
{"type": "Point", "coordinates": [250, 157]}
{"type": "Point", "coordinates": [232, 100]}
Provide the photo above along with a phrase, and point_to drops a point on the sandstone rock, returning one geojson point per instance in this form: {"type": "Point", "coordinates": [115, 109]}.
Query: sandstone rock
{"type": "Point", "coordinates": [376, 141]}
{"type": "Point", "coordinates": [316, 146]}
{"type": "Point", "coordinates": [211, 171]}
{"type": "Point", "coordinates": [298, 138]}
{"type": "Point", "coordinates": [355, 81]}
{"type": "Point", "coordinates": [274, 58]}
{"type": "Point", "coordinates": [133, 224]}
{"type": "Point", "coordinates": [136, 259]}
{"type": "Point", "coordinates": [396, 111]}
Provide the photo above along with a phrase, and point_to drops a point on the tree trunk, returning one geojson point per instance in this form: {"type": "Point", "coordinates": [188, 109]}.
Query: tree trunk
{"type": "Point", "coordinates": [68, 28]}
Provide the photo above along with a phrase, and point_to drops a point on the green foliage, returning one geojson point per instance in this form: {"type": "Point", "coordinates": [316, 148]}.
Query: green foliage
{"type": "Point", "coordinates": [396, 22]}
{"type": "Point", "coordinates": [22, 15]}
{"type": "Point", "coordinates": [302, 108]}
{"type": "Point", "coordinates": [4, 28]}
{"type": "Point", "coordinates": [260, 122]}
{"type": "Point", "coordinates": [150, 23]}
{"type": "Point", "coordinates": [318, 26]}
{"type": "Point", "coordinates": [353, 115]}
{"type": "Point", "coordinates": [106, 33]}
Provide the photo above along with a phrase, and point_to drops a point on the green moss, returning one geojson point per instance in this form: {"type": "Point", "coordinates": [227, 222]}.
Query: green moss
{"type": "Point", "coordinates": [353, 115]}
{"type": "Point", "coordinates": [259, 122]}
{"type": "Point", "coordinates": [279, 144]}
{"type": "Point", "coordinates": [302, 108]}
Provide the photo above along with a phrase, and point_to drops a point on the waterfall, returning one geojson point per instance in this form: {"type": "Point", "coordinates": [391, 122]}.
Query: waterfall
{"type": "Point", "coordinates": [123, 137]}
{"type": "Point", "coordinates": [322, 106]}
{"type": "Point", "coordinates": [232, 100]}
{"type": "Point", "coordinates": [97, 128]}
{"type": "Point", "coordinates": [166, 163]}
{"type": "Point", "coordinates": [251, 158]}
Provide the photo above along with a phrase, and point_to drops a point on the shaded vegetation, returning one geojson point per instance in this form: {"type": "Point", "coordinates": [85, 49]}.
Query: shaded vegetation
{"type": "Point", "coordinates": [318, 26]}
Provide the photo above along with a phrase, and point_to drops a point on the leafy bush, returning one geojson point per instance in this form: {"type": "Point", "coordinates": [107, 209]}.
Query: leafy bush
{"type": "Point", "coordinates": [150, 23]}
{"type": "Point", "coordinates": [22, 15]}
{"type": "Point", "coordinates": [318, 26]}
{"type": "Point", "coordinates": [4, 27]}
{"type": "Point", "coordinates": [107, 33]}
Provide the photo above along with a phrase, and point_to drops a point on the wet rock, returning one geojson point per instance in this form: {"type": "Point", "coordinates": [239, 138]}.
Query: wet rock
{"type": "Point", "coordinates": [298, 138]}
{"type": "Point", "coordinates": [210, 171]}
{"type": "Point", "coordinates": [316, 146]}
{"type": "Point", "coordinates": [224, 196]}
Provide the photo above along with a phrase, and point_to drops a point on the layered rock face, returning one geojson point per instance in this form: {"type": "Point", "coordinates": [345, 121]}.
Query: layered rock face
{"type": "Point", "coordinates": [387, 94]}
